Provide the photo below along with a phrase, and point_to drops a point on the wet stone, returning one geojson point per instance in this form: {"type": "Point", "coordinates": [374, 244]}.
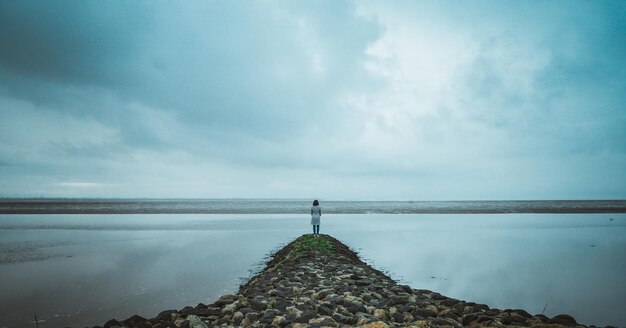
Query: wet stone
{"type": "Point", "coordinates": [268, 316]}
{"type": "Point", "coordinates": [257, 304]}
{"type": "Point", "coordinates": [424, 313]}
{"type": "Point", "coordinates": [398, 317]}
{"type": "Point", "coordinates": [563, 319]}
{"type": "Point", "coordinates": [252, 316]}
{"type": "Point", "coordinates": [305, 316]}
{"type": "Point", "coordinates": [164, 316]}
{"type": "Point", "coordinates": [325, 310]}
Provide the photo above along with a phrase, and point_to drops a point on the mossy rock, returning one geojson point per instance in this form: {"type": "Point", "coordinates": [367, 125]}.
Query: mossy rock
{"type": "Point", "coordinates": [309, 243]}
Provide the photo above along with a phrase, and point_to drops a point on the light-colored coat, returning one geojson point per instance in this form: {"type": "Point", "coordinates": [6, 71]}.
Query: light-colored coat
{"type": "Point", "coordinates": [316, 213]}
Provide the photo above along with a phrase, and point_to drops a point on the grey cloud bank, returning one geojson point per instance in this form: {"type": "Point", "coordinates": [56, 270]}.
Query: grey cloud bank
{"type": "Point", "coordinates": [337, 100]}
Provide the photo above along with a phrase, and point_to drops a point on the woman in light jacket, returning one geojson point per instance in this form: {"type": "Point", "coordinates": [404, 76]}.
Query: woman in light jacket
{"type": "Point", "coordinates": [316, 213]}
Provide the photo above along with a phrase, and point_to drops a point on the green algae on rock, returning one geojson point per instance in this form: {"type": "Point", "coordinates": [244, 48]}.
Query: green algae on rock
{"type": "Point", "coordinates": [309, 243]}
{"type": "Point", "coordinates": [320, 282]}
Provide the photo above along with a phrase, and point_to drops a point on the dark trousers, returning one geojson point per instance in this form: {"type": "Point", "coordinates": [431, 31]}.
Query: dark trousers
{"type": "Point", "coordinates": [316, 229]}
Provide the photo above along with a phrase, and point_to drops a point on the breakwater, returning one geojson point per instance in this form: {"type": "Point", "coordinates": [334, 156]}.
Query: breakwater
{"type": "Point", "coordinates": [320, 282]}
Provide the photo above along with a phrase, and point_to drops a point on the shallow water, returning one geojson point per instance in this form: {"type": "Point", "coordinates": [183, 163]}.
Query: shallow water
{"type": "Point", "coordinates": [82, 270]}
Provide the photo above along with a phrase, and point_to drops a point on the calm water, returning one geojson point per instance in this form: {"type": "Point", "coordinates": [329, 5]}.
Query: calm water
{"type": "Point", "coordinates": [82, 270]}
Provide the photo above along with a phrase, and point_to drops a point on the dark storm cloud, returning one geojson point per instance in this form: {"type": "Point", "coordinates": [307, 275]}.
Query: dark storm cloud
{"type": "Point", "coordinates": [71, 42]}
{"type": "Point", "coordinates": [351, 99]}
{"type": "Point", "coordinates": [221, 65]}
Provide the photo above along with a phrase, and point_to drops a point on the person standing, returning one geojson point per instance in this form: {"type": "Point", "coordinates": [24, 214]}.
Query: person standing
{"type": "Point", "coordinates": [316, 213]}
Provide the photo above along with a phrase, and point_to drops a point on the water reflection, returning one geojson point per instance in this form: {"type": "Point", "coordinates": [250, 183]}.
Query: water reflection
{"type": "Point", "coordinates": [90, 268]}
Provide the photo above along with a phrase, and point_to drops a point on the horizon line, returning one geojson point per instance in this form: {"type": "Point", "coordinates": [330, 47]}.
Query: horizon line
{"type": "Point", "coordinates": [304, 199]}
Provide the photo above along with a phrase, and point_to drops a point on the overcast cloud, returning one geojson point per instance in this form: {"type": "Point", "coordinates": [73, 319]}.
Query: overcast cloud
{"type": "Point", "coordinates": [327, 99]}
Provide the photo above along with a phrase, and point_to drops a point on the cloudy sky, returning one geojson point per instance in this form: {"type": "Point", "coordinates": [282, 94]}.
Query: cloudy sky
{"type": "Point", "coordinates": [337, 100]}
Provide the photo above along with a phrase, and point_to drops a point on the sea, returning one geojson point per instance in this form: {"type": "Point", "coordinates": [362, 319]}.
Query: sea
{"type": "Point", "coordinates": [79, 263]}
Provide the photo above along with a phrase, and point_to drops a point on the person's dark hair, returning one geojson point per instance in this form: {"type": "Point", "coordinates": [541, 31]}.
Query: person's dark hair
{"type": "Point", "coordinates": [316, 203]}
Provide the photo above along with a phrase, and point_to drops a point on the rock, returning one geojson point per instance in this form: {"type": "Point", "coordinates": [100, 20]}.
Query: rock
{"type": "Point", "coordinates": [164, 325]}
{"type": "Point", "coordinates": [333, 299]}
{"type": "Point", "coordinates": [362, 318]}
{"type": "Point", "coordinates": [407, 289]}
{"type": "Point", "coordinates": [258, 304]}
{"type": "Point", "coordinates": [376, 295]}
{"type": "Point", "coordinates": [379, 313]}
{"type": "Point", "coordinates": [459, 307]}
{"type": "Point", "coordinates": [440, 322]}
{"type": "Point", "coordinates": [213, 311]}
{"type": "Point", "coordinates": [226, 299]}
{"type": "Point", "coordinates": [563, 319]}
{"type": "Point", "coordinates": [432, 308]}
{"type": "Point", "coordinates": [377, 324]}
{"type": "Point", "coordinates": [181, 323]}
{"type": "Point", "coordinates": [238, 318]}
{"type": "Point", "coordinates": [229, 309]}
{"type": "Point", "coordinates": [325, 310]}
{"type": "Point", "coordinates": [323, 321]}
{"type": "Point", "coordinates": [450, 302]}
{"type": "Point", "coordinates": [363, 282]}
{"type": "Point", "coordinates": [299, 325]}
{"type": "Point", "coordinates": [292, 310]}
{"type": "Point", "coordinates": [268, 316]}
{"type": "Point", "coordinates": [398, 289]}
{"type": "Point", "coordinates": [252, 316]}
{"type": "Point", "coordinates": [518, 312]}
{"type": "Point", "coordinates": [223, 321]}
{"type": "Point", "coordinates": [517, 319]}
{"type": "Point", "coordinates": [112, 323]}
{"type": "Point", "coordinates": [167, 315]}
{"type": "Point", "coordinates": [136, 321]}
{"type": "Point", "coordinates": [446, 312]}
{"type": "Point", "coordinates": [438, 297]}
{"type": "Point", "coordinates": [245, 310]}
{"type": "Point", "coordinates": [246, 322]}
{"type": "Point", "coordinates": [398, 317]}
{"type": "Point", "coordinates": [203, 312]}
{"type": "Point", "coordinates": [480, 308]}
{"type": "Point", "coordinates": [354, 306]}
{"type": "Point", "coordinates": [343, 319]}
{"type": "Point", "coordinates": [196, 322]}
{"type": "Point", "coordinates": [541, 318]}
{"type": "Point", "coordinates": [419, 324]}
{"type": "Point", "coordinates": [469, 318]}
{"type": "Point", "coordinates": [398, 299]}
{"type": "Point", "coordinates": [475, 318]}
{"type": "Point", "coordinates": [187, 310]}
{"type": "Point", "coordinates": [278, 320]}
{"type": "Point", "coordinates": [322, 294]}
{"type": "Point", "coordinates": [305, 316]}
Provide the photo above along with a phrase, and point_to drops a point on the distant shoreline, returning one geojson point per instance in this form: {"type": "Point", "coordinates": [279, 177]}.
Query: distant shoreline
{"type": "Point", "coordinates": [269, 206]}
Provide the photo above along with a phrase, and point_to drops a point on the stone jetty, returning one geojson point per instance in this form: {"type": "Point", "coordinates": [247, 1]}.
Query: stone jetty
{"type": "Point", "coordinates": [320, 282]}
